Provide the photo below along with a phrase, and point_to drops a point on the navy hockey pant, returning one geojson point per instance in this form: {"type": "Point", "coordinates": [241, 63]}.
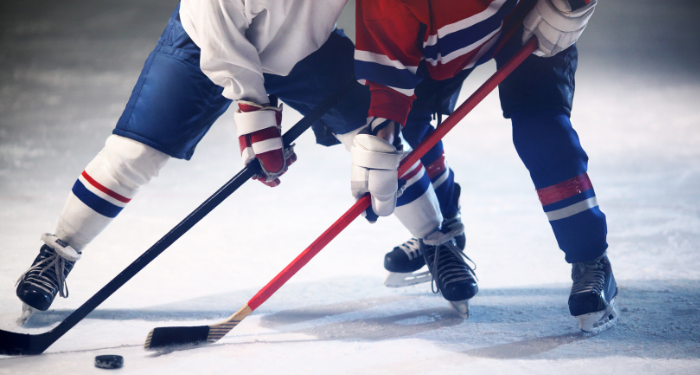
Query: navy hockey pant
{"type": "Point", "coordinates": [538, 98]}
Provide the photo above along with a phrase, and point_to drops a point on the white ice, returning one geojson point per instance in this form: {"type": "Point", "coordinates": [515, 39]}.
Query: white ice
{"type": "Point", "coordinates": [66, 71]}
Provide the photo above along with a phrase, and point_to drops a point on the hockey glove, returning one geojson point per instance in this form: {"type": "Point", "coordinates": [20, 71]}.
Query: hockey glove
{"type": "Point", "coordinates": [375, 163]}
{"type": "Point", "coordinates": [260, 137]}
{"type": "Point", "coordinates": [557, 24]}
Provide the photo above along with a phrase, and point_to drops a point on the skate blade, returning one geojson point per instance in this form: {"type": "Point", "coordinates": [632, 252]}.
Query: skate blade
{"type": "Point", "coordinates": [597, 322]}
{"type": "Point", "coordinates": [27, 312]}
{"type": "Point", "coordinates": [399, 280]}
{"type": "Point", "coordinates": [462, 307]}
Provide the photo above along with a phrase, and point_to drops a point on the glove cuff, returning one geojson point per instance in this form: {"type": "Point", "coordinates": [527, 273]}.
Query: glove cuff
{"type": "Point", "coordinates": [372, 152]}
{"type": "Point", "coordinates": [252, 117]}
{"type": "Point", "coordinates": [562, 20]}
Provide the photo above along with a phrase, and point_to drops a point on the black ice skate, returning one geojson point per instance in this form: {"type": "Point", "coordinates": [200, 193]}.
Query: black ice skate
{"type": "Point", "coordinates": [38, 286]}
{"type": "Point", "coordinates": [592, 298]}
{"type": "Point", "coordinates": [405, 260]}
{"type": "Point", "coordinates": [402, 263]}
{"type": "Point", "coordinates": [453, 277]}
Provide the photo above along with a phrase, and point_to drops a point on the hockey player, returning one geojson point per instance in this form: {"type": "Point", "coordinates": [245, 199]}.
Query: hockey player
{"type": "Point", "coordinates": [210, 54]}
{"type": "Point", "coordinates": [400, 42]}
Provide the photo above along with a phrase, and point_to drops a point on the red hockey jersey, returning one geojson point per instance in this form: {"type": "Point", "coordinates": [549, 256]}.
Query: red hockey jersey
{"type": "Point", "coordinates": [394, 36]}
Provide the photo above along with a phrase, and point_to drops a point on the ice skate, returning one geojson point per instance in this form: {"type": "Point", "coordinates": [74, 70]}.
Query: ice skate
{"type": "Point", "coordinates": [593, 294]}
{"type": "Point", "coordinates": [405, 260]}
{"type": "Point", "coordinates": [38, 286]}
{"type": "Point", "coordinates": [453, 277]}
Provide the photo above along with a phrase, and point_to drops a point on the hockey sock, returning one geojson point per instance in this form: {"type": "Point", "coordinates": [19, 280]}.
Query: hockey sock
{"type": "Point", "coordinates": [418, 208]}
{"type": "Point", "coordinates": [417, 128]}
{"type": "Point", "coordinates": [550, 148]}
{"type": "Point", "coordinates": [443, 179]}
{"type": "Point", "coordinates": [104, 188]}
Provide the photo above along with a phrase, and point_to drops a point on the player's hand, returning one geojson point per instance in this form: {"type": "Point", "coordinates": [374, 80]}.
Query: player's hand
{"type": "Point", "coordinates": [260, 137]}
{"type": "Point", "coordinates": [375, 162]}
{"type": "Point", "coordinates": [557, 24]}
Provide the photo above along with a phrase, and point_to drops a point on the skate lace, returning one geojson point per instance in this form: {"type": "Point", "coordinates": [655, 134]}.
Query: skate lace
{"type": "Point", "coordinates": [588, 276]}
{"type": "Point", "coordinates": [411, 248]}
{"type": "Point", "coordinates": [451, 266]}
{"type": "Point", "coordinates": [38, 276]}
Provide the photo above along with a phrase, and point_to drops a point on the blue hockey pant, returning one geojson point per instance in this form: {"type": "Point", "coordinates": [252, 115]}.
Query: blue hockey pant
{"type": "Point", "coordinates": [538, 98]}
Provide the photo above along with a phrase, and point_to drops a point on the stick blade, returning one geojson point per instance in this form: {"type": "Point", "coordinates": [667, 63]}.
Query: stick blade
{"type": "Point", "coordinates": [12, 343]}
{"type": "Point", "coordinates": [161, 337]}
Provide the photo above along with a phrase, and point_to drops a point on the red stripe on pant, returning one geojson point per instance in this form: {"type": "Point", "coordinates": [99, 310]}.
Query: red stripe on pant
{"type": "Point", "coordinates": [567, 189]}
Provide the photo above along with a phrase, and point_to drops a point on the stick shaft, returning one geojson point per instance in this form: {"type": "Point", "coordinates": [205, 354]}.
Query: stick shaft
{"type": "Point", "coordinates": [363, 203]}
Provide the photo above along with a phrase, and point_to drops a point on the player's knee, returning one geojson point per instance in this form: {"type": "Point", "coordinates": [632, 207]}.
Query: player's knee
{"type": "Point", "coordinates": [544, 137]}
{"type": "Point", "coordinates": [130, 162]}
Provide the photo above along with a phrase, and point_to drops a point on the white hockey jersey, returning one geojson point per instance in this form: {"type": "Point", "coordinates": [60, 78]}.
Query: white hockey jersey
{"type": "Point", "coordinates": [242, 39]}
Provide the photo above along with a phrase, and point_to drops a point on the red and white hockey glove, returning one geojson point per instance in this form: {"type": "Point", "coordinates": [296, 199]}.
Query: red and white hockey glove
{"type": "Point", "coordinates": [557, 24]}
{"type": "Point", "coordinates": [260, 137]}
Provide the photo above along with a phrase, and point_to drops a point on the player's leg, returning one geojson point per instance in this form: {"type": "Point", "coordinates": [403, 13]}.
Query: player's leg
{"type": "Point", "coordinates": [171, 107]}
{"type": "Point", "coordinates": [418, 210]}
{"type": "Point", "coordinates": [434, 99]}
{"type": "Point", "coordinates": [538, 97]}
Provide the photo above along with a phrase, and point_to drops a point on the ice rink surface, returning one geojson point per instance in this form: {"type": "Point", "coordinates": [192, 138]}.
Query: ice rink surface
{"type": "Point", "coordinates": [66, 71]}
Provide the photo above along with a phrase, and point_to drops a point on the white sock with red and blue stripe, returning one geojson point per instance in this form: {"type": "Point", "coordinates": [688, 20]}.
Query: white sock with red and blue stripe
{"type": "Point", "coordinates": [105, 187]}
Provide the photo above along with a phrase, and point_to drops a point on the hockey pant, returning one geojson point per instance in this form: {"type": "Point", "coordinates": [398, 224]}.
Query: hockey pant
{"type": "Point", "coordinates": [538, 98]}
{"type": "Point", "coordinates": [549, 146]}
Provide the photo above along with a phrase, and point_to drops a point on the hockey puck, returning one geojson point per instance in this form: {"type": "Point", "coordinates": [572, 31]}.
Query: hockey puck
{"type": "Point", "coordinates": [109, 361]}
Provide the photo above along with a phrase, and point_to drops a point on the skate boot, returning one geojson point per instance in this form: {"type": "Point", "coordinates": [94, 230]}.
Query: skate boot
{"type": "Point", "coordinates": [451, 274]}
{"type": "Point", "coordinates": [38, 286]}
{"type": "Point", "coordinates": [405, 260]}
{"type": "Point", "coordinates": [592, 298]}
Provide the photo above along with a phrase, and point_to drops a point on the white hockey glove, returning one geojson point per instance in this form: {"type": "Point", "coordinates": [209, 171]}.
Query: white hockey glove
{"type": "Point", "coordinates": [375, 164]}
{"type": "Point", "coordinates": [260, 137]}
{"type": "Point", "coordinates": [557, 24]}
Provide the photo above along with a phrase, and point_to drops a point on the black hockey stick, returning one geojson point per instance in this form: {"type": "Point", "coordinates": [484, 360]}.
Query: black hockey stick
{"type": "Point", "coordinates": [12, 343]}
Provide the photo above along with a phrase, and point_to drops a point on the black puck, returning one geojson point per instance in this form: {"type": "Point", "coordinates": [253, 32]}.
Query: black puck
{"type": "Point", "coordinates": [109, 361]}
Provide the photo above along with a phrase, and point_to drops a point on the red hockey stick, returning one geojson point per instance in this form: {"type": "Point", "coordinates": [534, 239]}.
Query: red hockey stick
{"type": "Point", "coordinates": [167, 336]}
